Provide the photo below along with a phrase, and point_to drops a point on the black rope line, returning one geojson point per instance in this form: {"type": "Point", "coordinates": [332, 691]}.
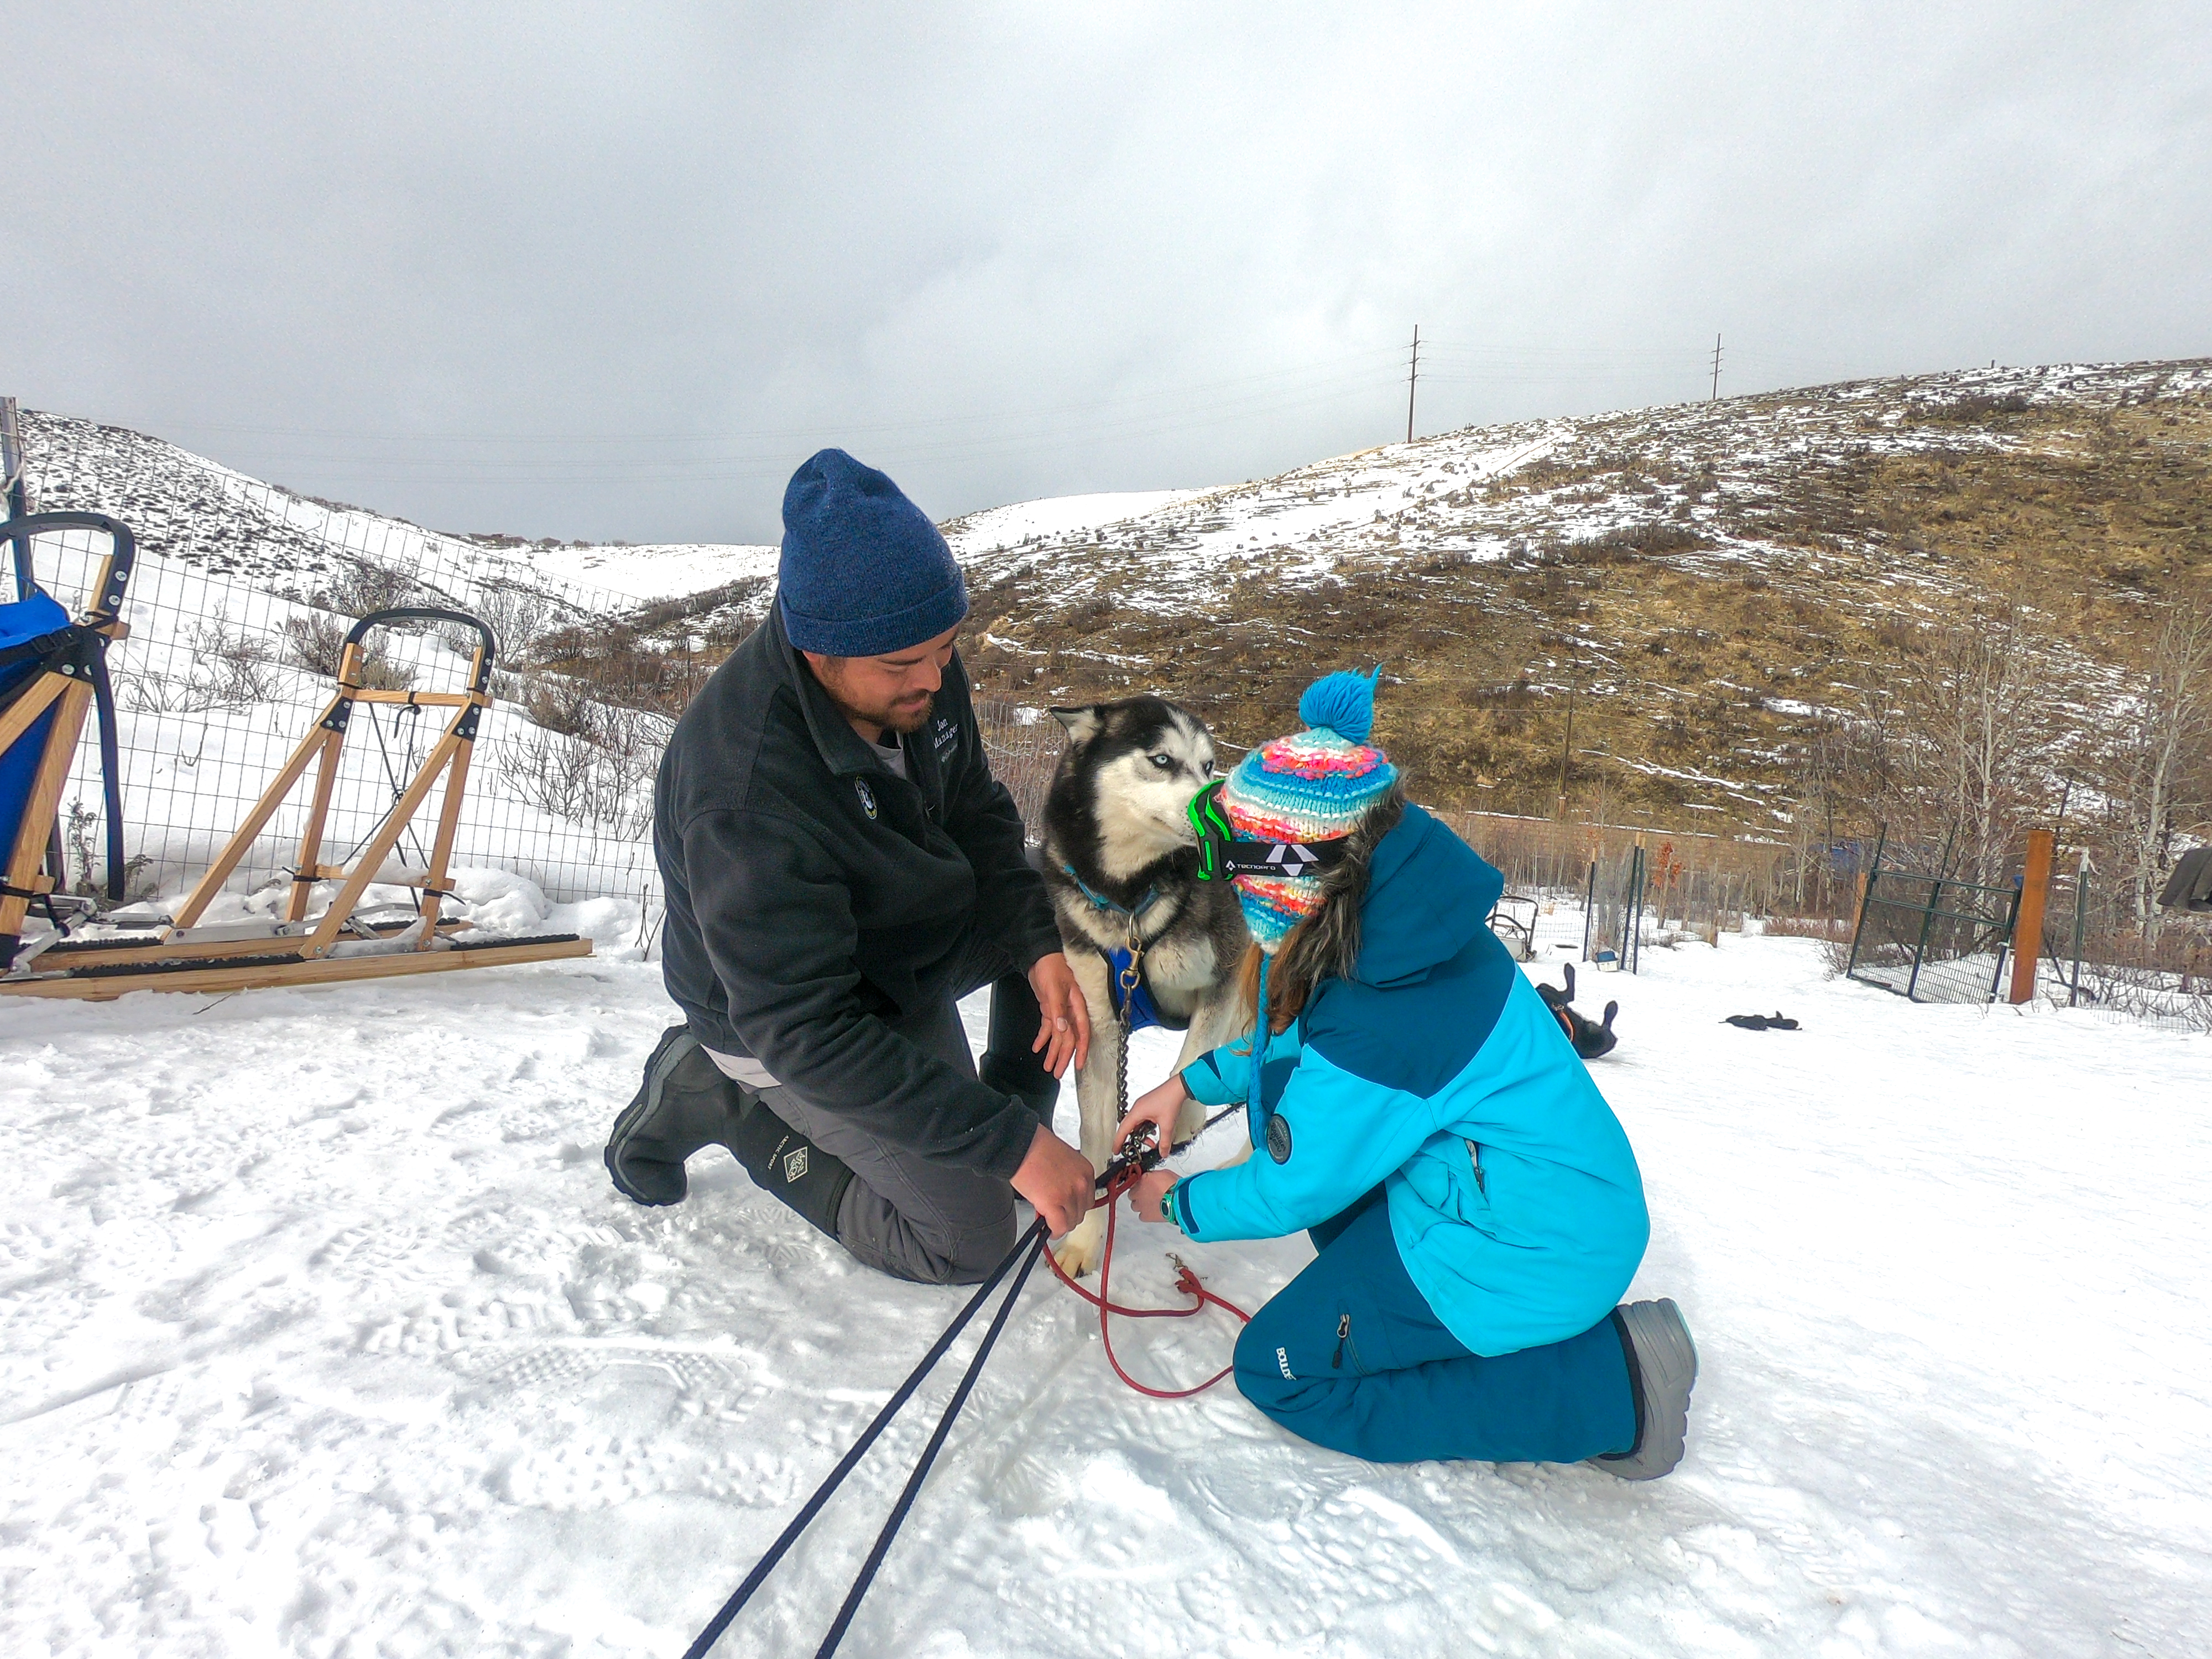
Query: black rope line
{"type": "Point", "coordinates": [929, 1455]}
{"type": "Point", "coordinates": [743, 1593]}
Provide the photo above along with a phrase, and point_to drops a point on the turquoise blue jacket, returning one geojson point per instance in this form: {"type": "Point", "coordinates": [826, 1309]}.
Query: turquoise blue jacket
{"type": "Point", "coordinates": [1438, 1071]}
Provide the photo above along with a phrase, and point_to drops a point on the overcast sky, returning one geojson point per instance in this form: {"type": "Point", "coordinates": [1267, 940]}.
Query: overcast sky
{"type": "Point", "coordinates": [613, 272]}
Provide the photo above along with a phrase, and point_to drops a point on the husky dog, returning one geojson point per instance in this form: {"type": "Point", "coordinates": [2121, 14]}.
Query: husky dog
{"type": "Point", "coordinates": [1121, 862]}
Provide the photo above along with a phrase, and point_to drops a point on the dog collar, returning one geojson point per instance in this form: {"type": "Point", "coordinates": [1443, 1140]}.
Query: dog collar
{"type": "Point", "coordinates": [1224, 855]}
{"type": "Point", "coordinates": [1101, 901]}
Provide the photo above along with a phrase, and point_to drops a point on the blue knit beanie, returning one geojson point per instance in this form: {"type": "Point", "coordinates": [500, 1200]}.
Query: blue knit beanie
{"type": "Point", "coordinates": [863, 570]}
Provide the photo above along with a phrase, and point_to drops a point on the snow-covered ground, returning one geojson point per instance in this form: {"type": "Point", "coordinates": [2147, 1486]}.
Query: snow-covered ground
{"type": "Point", "coordinates": [997, 527]}
{"type": "Point", "coordinates": [657, 572]}
{"type": "Point", "coordinates": [325, 1334]}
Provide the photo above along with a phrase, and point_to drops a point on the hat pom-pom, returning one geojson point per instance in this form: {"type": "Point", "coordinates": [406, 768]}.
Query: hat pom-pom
{"type": "Point", "coordinates": [1342, 703]}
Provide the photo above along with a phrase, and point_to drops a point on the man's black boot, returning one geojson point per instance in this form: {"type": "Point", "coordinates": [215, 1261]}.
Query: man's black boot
{"type": "Point", "coordinates": [684, 1103]}
{"type": "Point", "coordinates": [1009, 1065]}
{"type": "Point", "coordinates": [787, 1165]}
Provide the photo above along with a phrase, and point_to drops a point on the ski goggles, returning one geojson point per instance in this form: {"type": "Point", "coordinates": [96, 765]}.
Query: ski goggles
{"type": "Point", "coordinates": [1224, 855]}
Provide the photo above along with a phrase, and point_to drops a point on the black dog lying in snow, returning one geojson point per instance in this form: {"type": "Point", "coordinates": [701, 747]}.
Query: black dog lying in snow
{"type": "Point", "coordinates": [1590, 1038]}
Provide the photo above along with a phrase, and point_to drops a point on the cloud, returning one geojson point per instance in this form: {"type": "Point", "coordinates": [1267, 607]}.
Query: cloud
{"type": "Point", "coordinates": [598, 272]}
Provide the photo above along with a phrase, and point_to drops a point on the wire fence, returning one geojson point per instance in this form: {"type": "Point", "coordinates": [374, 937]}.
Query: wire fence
{"type": "Point", "coordinates": [233, 641]}
{"type": "Point", "coordinates": [2098, 955]}
{"type": "Point", "coordinates": [1932, 939]}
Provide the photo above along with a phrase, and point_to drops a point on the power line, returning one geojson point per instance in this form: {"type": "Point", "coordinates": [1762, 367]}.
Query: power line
{"type": "Point", "coordinates": [1176, 395]}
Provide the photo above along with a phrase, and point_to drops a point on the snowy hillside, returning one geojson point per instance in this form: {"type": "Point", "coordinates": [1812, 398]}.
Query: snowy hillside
{"type": "Point", "coordinates": [187, 508]}
{"type": "Point", "coordinates": [1704, 581]}
{"type": "Point", "coordinates": [997, 528]}
{"type": "Point", "coordinates": [325, 1334]}
{"type": "Point", "coordinates": [1431, 498]}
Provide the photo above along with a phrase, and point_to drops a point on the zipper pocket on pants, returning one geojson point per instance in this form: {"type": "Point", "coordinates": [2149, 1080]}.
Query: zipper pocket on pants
{"type": "Point", "coordinates": [1343, 1332]}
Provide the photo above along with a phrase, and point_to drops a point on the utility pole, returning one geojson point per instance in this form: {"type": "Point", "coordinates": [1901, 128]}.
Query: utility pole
{"type": "Point", "coordinates": [1717, 369]}
{"type": "Point", "coordinates": [1412, 379]}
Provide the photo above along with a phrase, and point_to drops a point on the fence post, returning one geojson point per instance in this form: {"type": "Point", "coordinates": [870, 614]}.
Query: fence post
{"type": "Point", "coordinates": [1866, 893]}
{"type": "Point", "coordinates": [1632, 946]}
{"type": "Point", "coordinates": [1927, 926]}
{"type": "Point", "coordinates": [2081, 922]}
{"type": "Point", "coordinates": [2027, 921]}
{"type": "Point", "coordinates": [1590, 908]}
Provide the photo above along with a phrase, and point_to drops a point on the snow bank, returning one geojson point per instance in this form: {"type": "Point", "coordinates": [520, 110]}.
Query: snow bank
{"type": "Point", "coordinates": [996, 527]}
{"type": "Point", "coordinates": [323, 1332]}
{"type": "Point", "coordinates": [656, 572]}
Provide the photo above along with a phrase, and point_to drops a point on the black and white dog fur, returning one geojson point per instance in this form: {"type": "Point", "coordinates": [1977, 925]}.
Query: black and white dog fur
{"type": "Point", "coordinates": [1115, 817]}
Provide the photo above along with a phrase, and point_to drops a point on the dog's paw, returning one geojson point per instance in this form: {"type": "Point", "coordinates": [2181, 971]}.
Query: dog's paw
{"type": "Point", "coordinates": [1079, 1253]}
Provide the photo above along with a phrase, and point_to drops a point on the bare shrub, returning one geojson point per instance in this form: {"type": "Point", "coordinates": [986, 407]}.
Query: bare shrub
{"type": "Point", "coordinates": [558, 703]}
{"type": "Point", "coordinates": [227, 668]}
{"type": "Point", "coordinates": [1976, 407]}
{"type": "Point", "coordinates": [92, 860]}
{"type": "Point", "coordinates": [318, 641]}
{"type": "Point", "coordinates": [1656, 537]}
{"type": "Point", "coordinates": [358, 588]}
{"type": "Point", "coordinates": [518, 618]}
{"type": "Point", "coordinates": [1827, 927]}
{"type": "Point", "coordinates": [602, 778]}
{"type": "Point", "coordinates": [240, 668]}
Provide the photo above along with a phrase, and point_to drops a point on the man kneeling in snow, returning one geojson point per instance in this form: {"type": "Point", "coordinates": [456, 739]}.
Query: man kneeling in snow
{"type": "Point", "coordinates": [841, 868]}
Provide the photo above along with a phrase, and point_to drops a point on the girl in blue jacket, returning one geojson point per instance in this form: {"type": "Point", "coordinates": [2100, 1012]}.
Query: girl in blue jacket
{"type": "Point", "coordinates": [1417, 1109]}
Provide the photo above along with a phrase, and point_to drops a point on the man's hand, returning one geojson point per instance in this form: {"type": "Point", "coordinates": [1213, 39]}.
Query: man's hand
{"type": "Point", "coordinates": [1147, 1196]}
{"type": "Point", "coordinates": [1056, 1177]}
{"type": "Point", "coordinates": [1064, 1033]}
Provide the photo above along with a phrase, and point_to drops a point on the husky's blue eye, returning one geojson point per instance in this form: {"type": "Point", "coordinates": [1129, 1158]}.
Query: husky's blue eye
{"type": "Point", "coordinates": [1165, 763]}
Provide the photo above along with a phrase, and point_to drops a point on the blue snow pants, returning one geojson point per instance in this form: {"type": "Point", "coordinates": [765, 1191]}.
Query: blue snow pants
{"type": "Point", "coordinates": [1396, 1387]}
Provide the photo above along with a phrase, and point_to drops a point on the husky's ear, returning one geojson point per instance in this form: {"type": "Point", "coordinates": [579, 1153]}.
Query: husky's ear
{"type": "Point", "coordinates": [1083, 724]}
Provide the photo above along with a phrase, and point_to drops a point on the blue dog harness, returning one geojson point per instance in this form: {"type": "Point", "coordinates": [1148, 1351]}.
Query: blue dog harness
{"type": "Point", "coordinates": [1132, 1006]}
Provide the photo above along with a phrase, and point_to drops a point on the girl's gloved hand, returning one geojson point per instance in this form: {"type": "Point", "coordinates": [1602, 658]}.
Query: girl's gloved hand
{"type": "Point", "coordinates": [1158, 1107]}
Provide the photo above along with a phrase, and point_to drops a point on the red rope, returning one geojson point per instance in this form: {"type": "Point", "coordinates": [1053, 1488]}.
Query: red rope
{"type": "Point", "coordinates": [1186, 1281]}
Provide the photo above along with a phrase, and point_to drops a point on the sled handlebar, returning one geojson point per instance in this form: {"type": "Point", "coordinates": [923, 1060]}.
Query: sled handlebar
{"type": "Point", "coordinates": [106, 605]}
{"type": "Point", "coordinates": [359, 631]}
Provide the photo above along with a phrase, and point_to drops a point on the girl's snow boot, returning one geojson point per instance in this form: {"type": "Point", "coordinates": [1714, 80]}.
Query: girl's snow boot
{"type": "Point", "coordinates": [1663, 1367]}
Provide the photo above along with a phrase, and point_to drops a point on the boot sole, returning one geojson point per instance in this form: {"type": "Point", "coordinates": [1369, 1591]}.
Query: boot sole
{"type": "Point", "coordinates": [665, 1059]}
{"type": "Point", "coordinates": [1667, 1366]}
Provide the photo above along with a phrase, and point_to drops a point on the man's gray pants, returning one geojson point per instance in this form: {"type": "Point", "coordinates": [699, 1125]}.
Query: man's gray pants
{"type": "Point", "coordinates": [911, 1218]}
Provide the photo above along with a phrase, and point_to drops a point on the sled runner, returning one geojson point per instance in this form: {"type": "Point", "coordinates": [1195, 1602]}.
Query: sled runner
{"type": "Point", "coordinates": [339, 944]}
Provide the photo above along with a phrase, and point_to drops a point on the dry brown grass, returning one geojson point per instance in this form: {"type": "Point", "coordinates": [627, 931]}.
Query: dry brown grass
{"type": "Point", "coordinates": [1676, 657]}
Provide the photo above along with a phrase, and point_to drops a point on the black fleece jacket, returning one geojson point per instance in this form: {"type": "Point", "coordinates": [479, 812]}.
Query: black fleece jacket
{"type": "Point", "coordinates": [814, 895]}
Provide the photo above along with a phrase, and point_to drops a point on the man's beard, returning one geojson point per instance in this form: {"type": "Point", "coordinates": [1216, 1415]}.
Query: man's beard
{"type": "Point", "coordinates": [910, 718]}
{"type": "Point", "coordinates": [902, 718]}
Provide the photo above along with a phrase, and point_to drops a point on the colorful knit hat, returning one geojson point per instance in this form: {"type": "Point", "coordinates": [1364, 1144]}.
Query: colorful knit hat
{"type": "Point", "coordinates": [1314, 785]}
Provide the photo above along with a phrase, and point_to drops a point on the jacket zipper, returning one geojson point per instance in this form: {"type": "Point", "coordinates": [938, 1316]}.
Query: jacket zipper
{"type": "Point", "coordinates": [1343, 1330]}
